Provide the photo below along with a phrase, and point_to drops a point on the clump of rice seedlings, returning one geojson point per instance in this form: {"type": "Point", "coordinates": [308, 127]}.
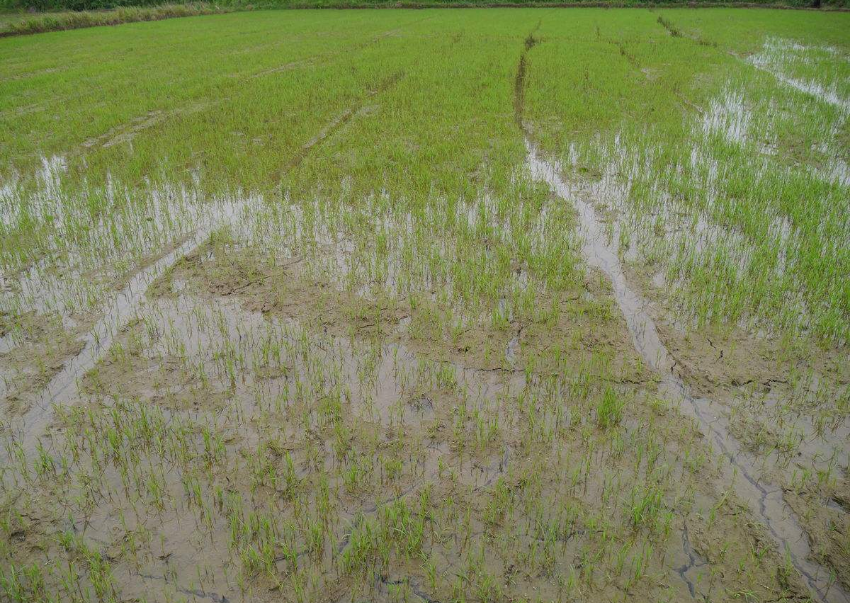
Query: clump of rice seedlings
{"type": "Point", "coordinates": [609, 409]}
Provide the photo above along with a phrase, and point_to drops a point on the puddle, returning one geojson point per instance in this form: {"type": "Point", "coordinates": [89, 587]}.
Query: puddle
{"type": "Point", "coordinates": [741, 470]}
{"type": "Point", "coordinates": [512, 349]}
{"type": "Point", "coordinates": [276, 388]}
{"type": "Point", "coordinates": [7, 342]}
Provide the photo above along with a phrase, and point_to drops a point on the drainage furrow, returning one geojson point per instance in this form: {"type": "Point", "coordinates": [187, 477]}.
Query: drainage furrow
{"type": "Point", "coordinates": [741, 470]}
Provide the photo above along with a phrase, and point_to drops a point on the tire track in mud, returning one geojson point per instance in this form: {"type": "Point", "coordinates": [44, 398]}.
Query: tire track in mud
{"type": "Point", "coordinates": [811, 89]}
{"type": "Point", "coordinates": [63, 387]}
{"type": "Point", "coordinates": [676, 32]}
{"type": "Point", "coordinates": [626, 54]}
{"type": "Point", "coordinates": [408, 583]}
{"type": "Point", "coordinates": [520, 80]}
{"type": "Point", "coordinates": [741, 470]}
{"type": "Point", "coordinates": [126, 131]}
{"type": "Point", "coordinates": [633, 61]}
{"type": "Point", "coordinates": [195, 593]}
{"type": "Point", "coordinates": [338, 122]}
{"type": "Point", "coordinates": [322, 57]}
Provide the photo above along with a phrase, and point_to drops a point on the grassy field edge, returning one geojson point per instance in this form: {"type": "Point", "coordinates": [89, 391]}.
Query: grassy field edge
{"type": "Point", "coordinates": [63, 21]}
{"type": "Point", "coordinates": [42, 23]}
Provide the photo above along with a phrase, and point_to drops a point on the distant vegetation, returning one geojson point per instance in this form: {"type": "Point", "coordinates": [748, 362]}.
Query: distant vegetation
{"type": "Point", "coordinates": [74, 19]}
{"type": "Point", "coordinates": [22, 17]}
{"type": "Point", "coordinates": [95, 5]}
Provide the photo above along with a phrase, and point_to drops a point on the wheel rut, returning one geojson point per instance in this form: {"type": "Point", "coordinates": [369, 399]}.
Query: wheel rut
{"type": "Point", "coordinates": [740, 469]}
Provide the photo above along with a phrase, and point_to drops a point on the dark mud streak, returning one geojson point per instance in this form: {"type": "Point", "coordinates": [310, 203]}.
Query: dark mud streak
{"type": "Point", "coordinates": [694, 561]}
{"type": "Point", "coordinates": [341, 120]}
{"type": "Point", "coordinates": [520, 80]}
{"type": "Point", "coordinates": [766, 501]}
{"type": "Point", "coordinates": [414, 588]}
{"type": "Point", "coordinates": [343, 542]}
{"type": "Point", "coordinates": [630, 58]}
{"type": "Point", "coordinates": [519, 85]}
{"type": "Point", "coordinates": [672, 29]}
{"type": "Point", "coordinates": [191, 592]}
{"type": "Point", "coordinates": [676, 32]}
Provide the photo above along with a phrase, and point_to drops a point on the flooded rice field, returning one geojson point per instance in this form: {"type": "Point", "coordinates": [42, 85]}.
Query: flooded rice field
{"type": "Point", "coordinates": [516, 305]}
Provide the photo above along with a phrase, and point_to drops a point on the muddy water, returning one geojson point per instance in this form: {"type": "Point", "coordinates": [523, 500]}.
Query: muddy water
{"type": "Point", "coordinates": [766, 501]}
{"type": "Point", "coordinates": [64, 385]}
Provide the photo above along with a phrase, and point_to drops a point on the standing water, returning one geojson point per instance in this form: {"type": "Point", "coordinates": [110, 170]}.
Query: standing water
{"type": "Point", "coordinates": [63, 387]}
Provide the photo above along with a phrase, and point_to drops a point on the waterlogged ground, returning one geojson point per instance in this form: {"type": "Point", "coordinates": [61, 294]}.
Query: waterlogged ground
{"type": "Point", "coordinates": [533, 305]}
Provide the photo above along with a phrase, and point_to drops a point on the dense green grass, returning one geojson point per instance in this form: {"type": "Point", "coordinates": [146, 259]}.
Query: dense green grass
{"type": "Point", "coordinates": [235, 114]}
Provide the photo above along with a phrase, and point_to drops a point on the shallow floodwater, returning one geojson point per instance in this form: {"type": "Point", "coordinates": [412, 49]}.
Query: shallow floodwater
{"type": "Point", "coordinates": [62, 387]}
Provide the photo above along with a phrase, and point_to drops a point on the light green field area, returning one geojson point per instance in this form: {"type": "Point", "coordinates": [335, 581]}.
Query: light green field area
{"type": "Point", "coordinates": [429, 305]}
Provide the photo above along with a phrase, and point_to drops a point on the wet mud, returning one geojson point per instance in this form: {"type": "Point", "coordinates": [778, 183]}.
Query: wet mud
{"type": "Point", "coordinates": [741, 469]}
{"type": "Point", "coordinates": [235, 387]}
{"type": "Point", "coordinates": [395, 433]}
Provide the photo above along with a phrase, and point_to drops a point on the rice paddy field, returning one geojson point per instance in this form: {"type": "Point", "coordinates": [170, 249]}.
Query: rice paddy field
{"type": "Point", "coordinates": [427, 306]}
